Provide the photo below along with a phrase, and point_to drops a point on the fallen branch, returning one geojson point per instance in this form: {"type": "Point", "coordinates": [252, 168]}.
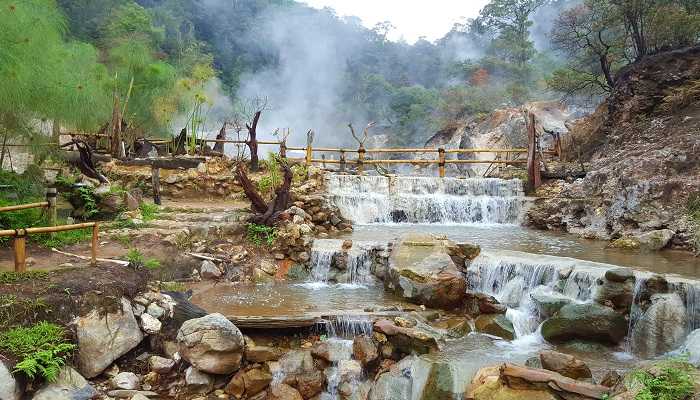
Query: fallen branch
{"type": "Point", "coordinates": [516, 376]}
{"type": "Point", "coordinates": [108, 260]}
{"type": "Point", "coordinates": [203, 257]}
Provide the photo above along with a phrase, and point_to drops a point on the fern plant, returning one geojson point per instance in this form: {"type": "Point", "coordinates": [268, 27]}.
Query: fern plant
{"type": "Point", "coordinates": [259, 234]}
{"type": "Point", "coordinates": [41, 349]}
{"type": "Point", "coordinates": [672, 383]}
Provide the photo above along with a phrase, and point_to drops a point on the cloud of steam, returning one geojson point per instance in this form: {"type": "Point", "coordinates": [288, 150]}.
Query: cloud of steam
{"type": "Point", "coordinates": [305, 89]}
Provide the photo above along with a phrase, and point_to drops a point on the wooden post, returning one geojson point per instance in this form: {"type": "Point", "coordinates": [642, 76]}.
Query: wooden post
{"type": "Point", "coordinates": [360, 159]}
{"type": "Point", "coordinates": [20, 246]}
{"type": "Point", "coordinates": [441, 158]}
{"type": "Point", "coordinates": [342, 160]}
{"type": "Point", "coordinates": [533, 159]}
{"type": "Point", "coordinates": [309, 149]}
{"type": "Point", "coordinates": [283, 148]}
{"type": "Point", "coordinates": [95, 236]}
{"type": "Point", "coordinates": [155, 180]}
{"type": "Point", "coordinates": [323, 161]}
{"type": "Point", "coordinates": [51, 209]}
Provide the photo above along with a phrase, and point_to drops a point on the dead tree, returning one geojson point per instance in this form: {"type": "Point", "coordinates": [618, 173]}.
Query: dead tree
{"type": "Point", "coordinates": [266, 213]}
{"type": "Point", "coordinates": [252, 141]}
{"type": "Point", "coordinates": [85, 162]}
{"type": "Point", "coordinates": [248, 116]}
{"type": "Point", "coordinates": [219, 146]}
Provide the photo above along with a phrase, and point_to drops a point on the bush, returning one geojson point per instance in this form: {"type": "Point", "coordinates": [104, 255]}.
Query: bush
{"type": "Point", "coordinates": [41, 349]}
{"type": "Point", "coordinates": [672, 383]}
{"type": "Point", "coordinates": [259, 234]}
{"type": "Point", "coordinates": [149, 211]}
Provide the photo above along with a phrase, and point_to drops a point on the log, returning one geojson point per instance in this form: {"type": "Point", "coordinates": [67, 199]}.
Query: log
{"type": "Point", "coordinates": [107, 260]}
{"type": "Point", "coordinates": [516, 376]}
{"type": "Point", "coordinates": [166, 162]}
{"type": "Point", "coordinates": [203, 257]}
{"type": "Point", "coordinates": [281, 201]}
{"type": "Point", "coordinates": [274, 322]}
{"type": "Point", "coordinates": [184, 310]}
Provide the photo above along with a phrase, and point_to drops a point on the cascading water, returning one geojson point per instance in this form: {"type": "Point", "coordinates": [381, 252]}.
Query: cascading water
{"type": "Point", "coordinates": [379, 199]}
{"type": "Point", "coordinates": [329, 260]}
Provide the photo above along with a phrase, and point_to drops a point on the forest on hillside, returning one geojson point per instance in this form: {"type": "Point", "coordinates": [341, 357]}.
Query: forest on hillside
{"type": "Point", "coordinates": [170, 64]}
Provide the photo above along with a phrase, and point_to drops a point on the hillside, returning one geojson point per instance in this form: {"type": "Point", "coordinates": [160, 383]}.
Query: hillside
{"type": "Point", "coordinates": [641, 150]}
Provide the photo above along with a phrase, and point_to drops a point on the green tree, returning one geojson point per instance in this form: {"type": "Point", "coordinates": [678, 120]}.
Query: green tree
{"type": "Point", "coordinates": [44, 75]}
{"type": "Point", "coordinates": [512, 49]}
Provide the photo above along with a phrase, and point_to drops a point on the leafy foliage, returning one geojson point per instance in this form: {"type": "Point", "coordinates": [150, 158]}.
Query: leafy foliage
{"type": "Point", "coordinates": [42, 349]}
{"type": "Point", "coordinates": [7, 277]}
{"type": "Point", "coordinates": [87, 194]}
{"type": "Point", "coordinates": [261, 234]}
{"type": "Point", "coordinates": [149, 212]}
{"type": "Point", "coordinates": [672, 383]}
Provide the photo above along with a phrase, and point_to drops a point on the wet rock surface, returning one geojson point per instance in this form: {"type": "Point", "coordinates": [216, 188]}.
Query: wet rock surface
{"type": "Point", "coordinates": [588, 321]}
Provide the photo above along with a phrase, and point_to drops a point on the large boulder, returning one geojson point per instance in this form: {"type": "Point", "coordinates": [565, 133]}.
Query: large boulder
{"type": "Point", "coordinates": [365, 350]}
{"type": "Point", "coordinates": [655, 240]}
{"type": "Point", "coordinates": [588, 321]}
{"type": "Point", "coordinates": [10, 389]}
{"type": "Point", "coordinates": [69, 385]}
{"type": "Point", "coordinates": [547, 301]}
{"type": "Point", "coordinates": [212, 344]}
{"type": "Point", "coordinates": [404, 381]}
{"type": "Point", "coordinates": [661, 328]}
{"type": "Point", "coordinates": [616, 289]}
{"type": "Point", "coordinates": [565, 365]}
{"type": "Point", "coordinates": [104, 337]}
{"type": "Point", "coordinates": [405, 339]}
{"type": "Point", "coordinates": [496, 325]}
{"type": "Point", "coordinates": [422, 271]}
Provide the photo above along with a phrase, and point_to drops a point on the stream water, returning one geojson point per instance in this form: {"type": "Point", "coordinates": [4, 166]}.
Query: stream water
{"type": "Point", "coordinates": [515, 264]}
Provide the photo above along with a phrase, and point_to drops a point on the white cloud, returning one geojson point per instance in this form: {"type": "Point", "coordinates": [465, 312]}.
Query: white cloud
{"type": "Point", "coordinates": [412, 18]}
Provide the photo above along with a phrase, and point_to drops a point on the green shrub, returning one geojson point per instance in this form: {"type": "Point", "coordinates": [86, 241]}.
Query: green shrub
{"type": "Point", "coordinates": [87, 194]}
{"type": "Point", "coordinates": [7, 277]}
{"type": "Point", "coordinates": [173, 287]}
{"type": "Point", "coordinates": [62, 239]}
{"type": "Point", "coordinates": [259, 234]}
{"type": "Point", "coordinates": [672, 383]}
{"type": "Point", "coordinates": [149, 211]}
{"type": "Point", "coordinates": [135, 257]}
{"type": "Point", "coordinates": [268, 183]}
{"type": "Point", "coordinates": [41, 349]}
{"type": "Point", "coordinates": [152, 263]}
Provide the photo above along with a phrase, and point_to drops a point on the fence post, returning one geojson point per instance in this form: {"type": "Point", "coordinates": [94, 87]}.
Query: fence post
{"type": "Point", "coordinates": [441, 158]}
{"type": "Point", "coordinates": [283, 148]}
{"type": "Point", "coordinates": [51, 209]}
{"type": "Point", "coordinates": [342, 160]}
{"type": "Point", "coordinates": [95, 235]}
{"type": "Point", "coordinates": [360, 159]}
{"type": "Point", "coordinates": [309, 149]}
{"type": "Point", "coordinates": [155, 180]}
{"type": "Point", "coordinates": [20, 247]}
{"type": "Point", "coordinates": [533, 160]}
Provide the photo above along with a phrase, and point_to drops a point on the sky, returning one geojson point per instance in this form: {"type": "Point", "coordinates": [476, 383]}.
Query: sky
{"type": "Point", "coordinates": [412, 18]}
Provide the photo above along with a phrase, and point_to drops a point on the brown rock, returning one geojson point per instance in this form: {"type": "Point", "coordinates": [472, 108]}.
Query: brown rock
{"type": "Point", "coordinates": [406, 340]}
{"type": "Point", "coordinates": [565, 364]}
{"type": "Point", "coordinates": [256, 380]}
{"type": "Point", "coordinates": [321, 350]}
{"type": "Point", "coordinates": [236, 386]}
{"type": "Point", "coordinates": [310, 384]}
{"type": "Point", "coordinates": [283, 392]}
{"type": "Point", "coordinates": [364, 350]}
{"type": "Point", "coordinates": [259, 354]}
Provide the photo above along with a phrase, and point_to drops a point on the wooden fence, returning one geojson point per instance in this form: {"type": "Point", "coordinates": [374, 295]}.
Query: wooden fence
{"type": "Point", "coordinates": [20, 235]}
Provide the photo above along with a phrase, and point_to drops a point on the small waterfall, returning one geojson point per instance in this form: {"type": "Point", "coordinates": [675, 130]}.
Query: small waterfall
{"type": "Point", "coordinates": [322, 253]}
{"type": "Point", "coordinates": [329, 262]}
{"type": "Point", "coordinates": [348, 326]}
{"type": "Point", "coordinates": [379, 199]}
{"type": "Point", "coordinates": [512, 276]}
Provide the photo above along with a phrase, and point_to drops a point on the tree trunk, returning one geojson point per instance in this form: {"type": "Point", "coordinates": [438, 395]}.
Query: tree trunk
{"type": "Point", "coordinates": [266, 214]}
{"type": "Point", "coordinates": [219, 146]}
{"type": "Point", "coordinates": [253, 141]}
{"type": "Point", "coordinates": [251, 192]}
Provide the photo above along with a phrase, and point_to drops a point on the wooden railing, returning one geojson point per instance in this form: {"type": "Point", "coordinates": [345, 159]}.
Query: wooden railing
{"type": "Point", "coordinates": [20, 235]}
{"type": "Point", "coordinates": [20, 240]}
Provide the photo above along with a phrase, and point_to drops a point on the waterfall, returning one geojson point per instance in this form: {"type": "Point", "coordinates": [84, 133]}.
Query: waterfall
{"type": "Point", "coordinates": [511, 277]}
{"type": "Point", "coordinates": [329, 262]}
{"type": "Point", "coordinates": [379, 199]}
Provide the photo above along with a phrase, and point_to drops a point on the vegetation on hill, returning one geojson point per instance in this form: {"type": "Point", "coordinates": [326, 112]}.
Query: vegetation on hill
{"type": "Point", "coordinates": [157, 61]}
